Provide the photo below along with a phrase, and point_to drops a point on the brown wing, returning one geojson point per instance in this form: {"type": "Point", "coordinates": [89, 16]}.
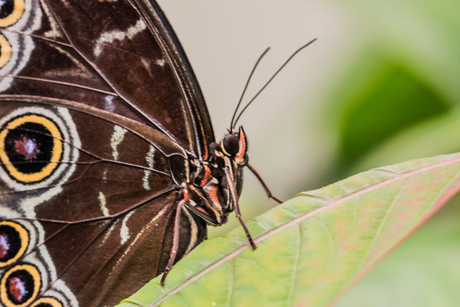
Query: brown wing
{"type": "Point", "coordinates": [119, 56]}
{"type": "Point", "coordinates": [95, 196]}
{"type": "Point", "coordinates": [97, 100]}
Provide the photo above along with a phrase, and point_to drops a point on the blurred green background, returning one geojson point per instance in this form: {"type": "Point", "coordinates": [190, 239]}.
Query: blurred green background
{"type": "Point", "coordinates": [380, 86]}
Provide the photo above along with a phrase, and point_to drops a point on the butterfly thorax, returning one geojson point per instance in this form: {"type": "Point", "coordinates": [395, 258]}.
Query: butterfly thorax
{"type": "Point", "coordinates": [209, 194]}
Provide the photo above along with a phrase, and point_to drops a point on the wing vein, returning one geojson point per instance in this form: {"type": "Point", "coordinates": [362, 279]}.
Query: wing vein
{"type": "Point", "coordinates": [61, 83]}
{"type": "Point", "coordinates": [110, 84]}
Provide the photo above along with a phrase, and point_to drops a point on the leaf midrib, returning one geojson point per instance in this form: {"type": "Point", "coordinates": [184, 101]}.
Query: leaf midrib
{"type": "Point", "coordinates": [299, 219]}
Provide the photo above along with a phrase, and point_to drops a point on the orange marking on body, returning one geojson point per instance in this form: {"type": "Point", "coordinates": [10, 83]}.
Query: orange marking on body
{"type": "Point", "coordinates": [242, 146]}
{"type": "Point", "coordinates": [205, 146]}
{"type": "Point", "coordinates": [207, 176]}
{"type": "Point", "coordinates": [212, 192]}
{"type": "Point", "coordinates": [206, 153]}
{"type": "Point", "coordinates": [202, 210]}
{"type": "Point", "coordinates": [186, 196]}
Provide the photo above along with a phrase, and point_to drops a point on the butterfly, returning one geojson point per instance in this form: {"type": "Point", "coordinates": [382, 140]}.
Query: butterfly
{"type": "Point", "coordinates": [109, 169]}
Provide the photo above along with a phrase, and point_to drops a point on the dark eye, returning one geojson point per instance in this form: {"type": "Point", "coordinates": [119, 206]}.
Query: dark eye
{"type": "Point", "coordinates": [231, 144]}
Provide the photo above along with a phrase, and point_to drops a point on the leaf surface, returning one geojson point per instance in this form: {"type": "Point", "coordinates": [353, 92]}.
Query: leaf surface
{"type": "Point", "coordinates": [422, 272]}
{"type": "Point", "coordinates": [314, 247]}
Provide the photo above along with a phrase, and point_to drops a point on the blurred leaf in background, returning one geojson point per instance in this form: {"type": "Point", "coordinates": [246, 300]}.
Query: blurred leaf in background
{"type": "Point", "coordinates": [404, 77]}
{"type": "Point", "coordinates": [388, 100]}
{"type": "Point", "coordinates": [398, 100]}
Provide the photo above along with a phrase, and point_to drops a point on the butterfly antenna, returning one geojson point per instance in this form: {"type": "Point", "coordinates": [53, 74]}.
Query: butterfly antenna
{"type": "Point", "coordinates": [246, 86]}
{"type": "Point", "coordinates": [285, 63]}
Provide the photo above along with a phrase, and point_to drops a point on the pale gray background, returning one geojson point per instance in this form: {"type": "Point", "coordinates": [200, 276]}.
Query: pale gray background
{"type": "Point", "coordinates": [289, 142]}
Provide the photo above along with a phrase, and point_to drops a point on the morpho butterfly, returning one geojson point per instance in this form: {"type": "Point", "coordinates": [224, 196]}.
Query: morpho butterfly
{"type": "Point", "coordinates": [109, 169]}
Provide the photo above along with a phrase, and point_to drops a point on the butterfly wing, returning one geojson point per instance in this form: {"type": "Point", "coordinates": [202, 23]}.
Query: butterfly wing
{"type": "Point", "coordinates": [118, 56]}
{"type": "Point", "coordinates": [100, 113]}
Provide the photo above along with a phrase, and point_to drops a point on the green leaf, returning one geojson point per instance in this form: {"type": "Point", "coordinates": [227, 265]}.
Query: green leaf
{"type": "Point", "coordinates": [422, 272]}
{"type": "Point", "coordinates": [393, 99]}
{"type": "Point", "coordinates": [314, 247]}
{"type": "Point", "coordinates": [427, 138]}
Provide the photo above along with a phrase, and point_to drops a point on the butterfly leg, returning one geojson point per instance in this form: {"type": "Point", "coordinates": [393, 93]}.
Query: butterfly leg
{"type": "Point", "coordinates": [175, 246]}
{"type": "Point", "coordinates": [231, 185]}
{"type": "Point", "coordinates": [264, 185]}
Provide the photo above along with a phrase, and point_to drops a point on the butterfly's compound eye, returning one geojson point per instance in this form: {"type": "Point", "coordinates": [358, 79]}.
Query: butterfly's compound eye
{"type": "Point", "coordinates": [230, 145]}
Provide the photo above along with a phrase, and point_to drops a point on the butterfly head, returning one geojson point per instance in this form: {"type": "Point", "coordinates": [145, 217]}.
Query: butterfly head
{"type": "Point", "coordinates": [231, 153]}
{"type": "Point", "coordinates": [234, 145]}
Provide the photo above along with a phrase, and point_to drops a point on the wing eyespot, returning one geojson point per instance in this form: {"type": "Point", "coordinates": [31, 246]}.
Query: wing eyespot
{"type": "Point", "coordinates": [19, 286]}
{"type": "Point", "coordinates": [30, 148]}
{"type": "Point", "coordinates": [11, 12]}
{"type": "Point", "coordinates": [5, 51]}
{"type": "Point", "coordinates": [47, 302]}
{"type": "Point", "coordinates": [14, 239]}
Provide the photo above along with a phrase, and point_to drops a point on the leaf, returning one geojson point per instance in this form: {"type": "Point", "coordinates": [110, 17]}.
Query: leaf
{"type": "Point", "coordinates": [422, 272]}
{"type": "Point", "coordinates": [426, 138]}
{"type": "Point", "coordinates": [402, 61]}
{"type": "Point", "coordinates": [391, 100]}
{"type": "Point", "coordinates": [314, 247]}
